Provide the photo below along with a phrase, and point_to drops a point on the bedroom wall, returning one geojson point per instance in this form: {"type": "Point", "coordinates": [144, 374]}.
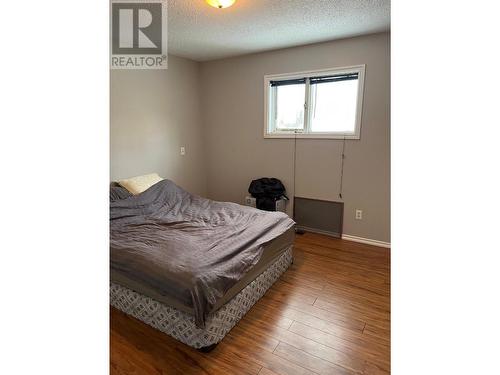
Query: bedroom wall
{"type": "Point", "coordinates": [233, 113]}
{"type": "Point", "coordinates": [153, 114]}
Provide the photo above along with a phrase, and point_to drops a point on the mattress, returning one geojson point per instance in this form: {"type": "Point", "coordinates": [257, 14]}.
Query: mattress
{"type": "Point", "coordinates": [181, 325]}
{"type": "Point", "coordinates": [271, 252]}
{"type": "Point", "coordinates": [186, 247]}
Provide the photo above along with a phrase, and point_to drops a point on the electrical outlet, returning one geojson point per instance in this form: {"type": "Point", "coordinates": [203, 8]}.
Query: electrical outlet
{"type": "Point", "coordinates": [183, 150]}
{"type": "Point", "coordinates": [359, 215]}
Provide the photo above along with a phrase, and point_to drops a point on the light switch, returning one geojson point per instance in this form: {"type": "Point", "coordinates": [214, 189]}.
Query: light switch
{"type": "Point", "coordinates": [183, 150]}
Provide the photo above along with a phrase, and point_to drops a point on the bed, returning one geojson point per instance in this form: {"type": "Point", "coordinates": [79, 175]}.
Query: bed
{"type": "Point", "coordinates": [191, 267]}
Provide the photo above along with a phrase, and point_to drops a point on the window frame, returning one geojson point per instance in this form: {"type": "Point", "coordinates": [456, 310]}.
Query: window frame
{"type": "Point", "coordinates": [270, 109]}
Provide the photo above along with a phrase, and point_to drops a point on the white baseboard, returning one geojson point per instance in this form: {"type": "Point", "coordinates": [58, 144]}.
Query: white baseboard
{"type": "Point", "coordinates": [367, 241]}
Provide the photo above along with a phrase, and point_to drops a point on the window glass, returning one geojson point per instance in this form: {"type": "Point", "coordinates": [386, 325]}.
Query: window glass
{"type": "Point", "coordinates": [290, 107]}
{"type": "Point", "coordinates": [333, 106]}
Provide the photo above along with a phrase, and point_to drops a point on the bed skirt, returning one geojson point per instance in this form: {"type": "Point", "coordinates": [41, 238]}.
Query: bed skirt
{"type": "Point", "coordinates": [180, 325]}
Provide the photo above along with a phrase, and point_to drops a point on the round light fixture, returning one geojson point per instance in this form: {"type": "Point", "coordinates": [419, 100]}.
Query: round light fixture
{"type": "Point", "coordinates": [221, 3]}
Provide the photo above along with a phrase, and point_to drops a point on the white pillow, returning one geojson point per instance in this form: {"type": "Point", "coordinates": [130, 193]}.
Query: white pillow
{"type": "Point", "coordinates": [137, 185]}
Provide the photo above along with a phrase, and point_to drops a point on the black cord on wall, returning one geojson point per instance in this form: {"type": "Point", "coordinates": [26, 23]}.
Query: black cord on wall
{"type": "Point", "coordinates": [294, 161]}
{"type": "Point", "coordinates": [342, 157]}
{"type": "Point", "coordinates": [297, 230]}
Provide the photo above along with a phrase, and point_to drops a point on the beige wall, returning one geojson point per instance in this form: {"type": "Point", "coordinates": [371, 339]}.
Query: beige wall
{"type": "Point", "coordinates": [216, 110]}
{"type": "Point", "coordinates": [153, 114]}
{"type": "Point", "coordinates": [233, 113]}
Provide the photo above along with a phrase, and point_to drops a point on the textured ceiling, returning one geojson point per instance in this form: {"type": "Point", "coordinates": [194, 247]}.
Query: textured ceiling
{"type": "Point", "coordinates": [200, 32]}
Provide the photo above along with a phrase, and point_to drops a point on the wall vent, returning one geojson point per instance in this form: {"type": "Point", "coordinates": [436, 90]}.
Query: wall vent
{"type": "Point", "coordinates": [319, 216]}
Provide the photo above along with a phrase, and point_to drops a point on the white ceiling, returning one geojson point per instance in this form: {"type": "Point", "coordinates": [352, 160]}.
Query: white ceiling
{"type": "Point", "coordinates": [201, 32]}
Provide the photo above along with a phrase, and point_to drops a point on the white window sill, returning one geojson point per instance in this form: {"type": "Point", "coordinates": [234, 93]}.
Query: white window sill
{"type": "Point", "coordinates": [311, 136]}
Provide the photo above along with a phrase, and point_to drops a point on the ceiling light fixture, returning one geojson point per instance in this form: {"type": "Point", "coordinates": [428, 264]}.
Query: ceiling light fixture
{"type": "Point", "coordinates": [221, 3]}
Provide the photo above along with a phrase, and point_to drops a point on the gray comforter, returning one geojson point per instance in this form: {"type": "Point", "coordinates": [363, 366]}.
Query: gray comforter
{"type": "Point", "coordinates": [186, 247]}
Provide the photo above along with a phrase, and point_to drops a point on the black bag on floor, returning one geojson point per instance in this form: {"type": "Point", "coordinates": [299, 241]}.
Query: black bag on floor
{"type": "Point", "coordinates": [267, 191]}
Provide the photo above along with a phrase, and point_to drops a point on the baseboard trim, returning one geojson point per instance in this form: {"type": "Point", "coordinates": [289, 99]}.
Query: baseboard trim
{"type": "Point", "coordinates": [367, 241]}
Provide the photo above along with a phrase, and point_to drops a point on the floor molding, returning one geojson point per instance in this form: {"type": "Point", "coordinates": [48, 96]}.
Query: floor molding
{"type": "Point", "coordinates": [367, 241]}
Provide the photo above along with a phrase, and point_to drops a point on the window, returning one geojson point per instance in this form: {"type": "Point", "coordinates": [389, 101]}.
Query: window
{"type": "Point", "coordinates": [316, 104]}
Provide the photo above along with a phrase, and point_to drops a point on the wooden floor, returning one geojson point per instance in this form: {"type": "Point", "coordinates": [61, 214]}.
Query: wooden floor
{"type": "Point", "coordinates": [328, 314]}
